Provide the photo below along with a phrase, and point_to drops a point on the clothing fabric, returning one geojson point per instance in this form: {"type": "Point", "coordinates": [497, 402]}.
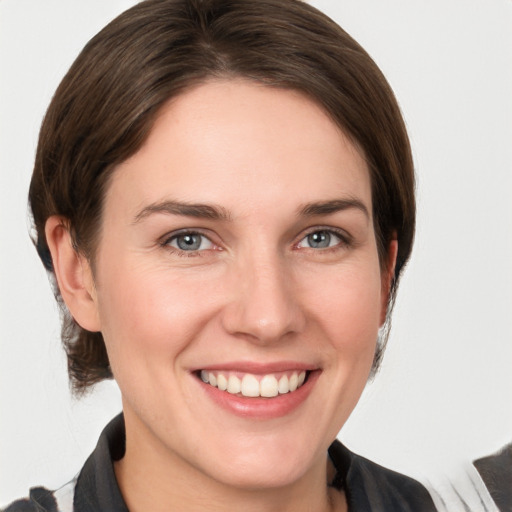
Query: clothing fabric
{"type": "Point", "coordinates": [459, 488]}
{"type": "Point", "coordinates": [496, 472]}
{"type": "Point", "coordinates": [368, 486]}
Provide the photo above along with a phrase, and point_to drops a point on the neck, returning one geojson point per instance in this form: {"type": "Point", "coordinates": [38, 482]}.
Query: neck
{"type": "Point", "coordinates": [152, 478]}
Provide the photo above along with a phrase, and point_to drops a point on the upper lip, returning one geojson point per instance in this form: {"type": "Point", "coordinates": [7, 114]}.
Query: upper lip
{"type": "Point", "coordinates": [260, 368]}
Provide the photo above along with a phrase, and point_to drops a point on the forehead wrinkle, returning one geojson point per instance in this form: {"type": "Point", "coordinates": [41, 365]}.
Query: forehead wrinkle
{"type": "Point", "coordinates": [172, 207]}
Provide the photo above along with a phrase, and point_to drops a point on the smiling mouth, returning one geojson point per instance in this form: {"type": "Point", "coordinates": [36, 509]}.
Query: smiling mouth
{"type": "Point", "coordinates": [252, 385]}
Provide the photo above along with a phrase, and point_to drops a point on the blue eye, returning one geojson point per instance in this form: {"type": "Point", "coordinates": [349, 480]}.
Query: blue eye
{"type": "Point", "coordinates": [321, 239]}
{"type": "Point", "coordinates": [190, 242]}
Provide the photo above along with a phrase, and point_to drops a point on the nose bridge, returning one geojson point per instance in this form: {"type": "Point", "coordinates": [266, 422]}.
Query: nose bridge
{"type": "Point", "coordinates": [264, 306]}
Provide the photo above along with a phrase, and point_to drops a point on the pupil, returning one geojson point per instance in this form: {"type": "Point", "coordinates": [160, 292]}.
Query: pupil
{"type": "Point", "coordinates": [320, 239]}
{"type": "Point", "coordinates": [189, 242]}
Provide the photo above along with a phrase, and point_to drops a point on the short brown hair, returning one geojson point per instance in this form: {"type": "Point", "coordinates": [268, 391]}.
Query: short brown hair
{"type": "Point", "coordinates": [106, 105]}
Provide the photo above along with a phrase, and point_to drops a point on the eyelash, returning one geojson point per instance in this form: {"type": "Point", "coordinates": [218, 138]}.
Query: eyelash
{"type": "Point", "coordinates": [345, 241]}
{"type": "Point", "coordinates": [167, 240]}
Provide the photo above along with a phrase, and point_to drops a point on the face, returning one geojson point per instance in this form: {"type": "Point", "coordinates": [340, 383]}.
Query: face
{"type": "Point", "coordinates": [237, 284]}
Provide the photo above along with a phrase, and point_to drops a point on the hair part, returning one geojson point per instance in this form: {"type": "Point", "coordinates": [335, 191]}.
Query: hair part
{"type": "Point", "coordinates": [106, 105]}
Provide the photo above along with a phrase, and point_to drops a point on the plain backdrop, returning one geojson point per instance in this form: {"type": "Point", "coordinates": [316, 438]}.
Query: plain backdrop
{"type": "Point", "coordinates": [444, 394]}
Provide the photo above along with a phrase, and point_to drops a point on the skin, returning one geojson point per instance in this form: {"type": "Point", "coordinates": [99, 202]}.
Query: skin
{"type": "Point", "coordinates": [255, 291]}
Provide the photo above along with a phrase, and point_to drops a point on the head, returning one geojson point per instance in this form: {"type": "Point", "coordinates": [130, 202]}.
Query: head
{"type": "Point", "coordinates": [107, 103]}
{"type": "Point", "coordinates": [118, 125]}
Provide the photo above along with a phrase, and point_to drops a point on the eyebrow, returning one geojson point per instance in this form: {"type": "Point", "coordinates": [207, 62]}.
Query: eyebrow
{"type": "Point", "coordinates": [333, 206]}
{"type": "Point", "coordinates": [196, 210]}
{"type": "Point", "coordinates": [214, 212]}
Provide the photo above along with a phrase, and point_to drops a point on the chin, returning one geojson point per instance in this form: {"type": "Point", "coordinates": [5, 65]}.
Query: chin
{"type": "Point", "coordinates": [264, 463]}
{"type": "Point", "coordinates": [260, 476]}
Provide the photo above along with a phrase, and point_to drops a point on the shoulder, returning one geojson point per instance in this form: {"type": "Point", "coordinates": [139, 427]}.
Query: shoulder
{"type": "Point", "coordinates": [369, 486]}
{"type": "Point", "coordinates": [93, 489]}
{"type": "Point", "coordinates": [41, 499]}
{"type": "Point", "coordinates": [496, 472]}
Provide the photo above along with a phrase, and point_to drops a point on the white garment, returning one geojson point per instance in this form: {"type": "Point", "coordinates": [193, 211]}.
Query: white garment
{"type": "Point", "coordinates": [462, 490]}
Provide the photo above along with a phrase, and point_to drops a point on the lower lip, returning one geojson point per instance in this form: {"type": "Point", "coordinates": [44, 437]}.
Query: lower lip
{"type": "Point", "coordinates": [261, 408]}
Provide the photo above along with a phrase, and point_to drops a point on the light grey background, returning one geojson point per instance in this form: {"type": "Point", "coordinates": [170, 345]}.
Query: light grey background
{"type": "Point", "coordinates": [444, 394]}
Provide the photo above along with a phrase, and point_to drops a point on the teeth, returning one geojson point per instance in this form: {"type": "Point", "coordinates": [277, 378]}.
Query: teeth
{"type": "Point", "coordinates": [251, 386]}
{"type": "Point", "coordinates": [268, 386]}
{"type": "Point", "coordinates": [234, 384]}
{"type": "Point", "coordinates": [283, 386]}
{"type": "Point", "coordinates": [222, 383]}
{"type": "Point", "coordinates": [294, 382]}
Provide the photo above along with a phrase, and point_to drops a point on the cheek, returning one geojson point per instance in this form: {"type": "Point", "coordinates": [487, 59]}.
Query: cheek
{"type": "Point", "coordinates": [349, 307]}
{"type": "Point", "coordinates": [148, 315]}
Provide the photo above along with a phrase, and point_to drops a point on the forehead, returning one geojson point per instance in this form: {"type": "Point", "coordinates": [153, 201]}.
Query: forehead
{"type": "Point", "coordinates": [240, 141]}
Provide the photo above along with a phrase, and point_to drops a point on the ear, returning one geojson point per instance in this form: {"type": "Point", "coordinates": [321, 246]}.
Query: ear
{"type": "Point", "coordinates": [73, 274]}
{"type": "Point", "coordinates": [388, 273]}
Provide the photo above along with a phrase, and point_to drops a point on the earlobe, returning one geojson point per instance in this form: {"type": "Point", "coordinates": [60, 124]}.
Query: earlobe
{"type": "Point", "coordinates": [73, 274]}
{"type": "Point", "coordinates": [388, 274]}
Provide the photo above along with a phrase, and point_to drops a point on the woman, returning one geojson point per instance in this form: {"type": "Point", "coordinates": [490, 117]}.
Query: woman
{"type": "Point", "coordinates": [224, 193]}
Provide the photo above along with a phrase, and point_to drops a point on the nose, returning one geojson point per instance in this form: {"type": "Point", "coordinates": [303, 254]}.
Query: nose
{"type": "Point", "coordinates": [263, 306]}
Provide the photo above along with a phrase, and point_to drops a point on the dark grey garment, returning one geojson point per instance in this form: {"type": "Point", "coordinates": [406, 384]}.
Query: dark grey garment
{"type": "Point", "coordinates": [496, 472]}
{"type": "Point", "coordinates": [373, 488]}
{"type": "Point", "coordinates": [39, 500]}
{"type": "Point", "coordinates": [368, 486]}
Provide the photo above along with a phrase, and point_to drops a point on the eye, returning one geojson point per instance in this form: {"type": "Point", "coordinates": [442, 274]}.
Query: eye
{"type": "Point", "coordinates": [321, 239]}
{"type": "Point", "coordinates": [189, 242]}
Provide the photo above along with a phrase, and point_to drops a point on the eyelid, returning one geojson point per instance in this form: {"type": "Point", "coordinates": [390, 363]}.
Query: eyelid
{"type": "Point", "coordinates": [165, 240]}
{"type": "Point", "coordinates": [345, 237]}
